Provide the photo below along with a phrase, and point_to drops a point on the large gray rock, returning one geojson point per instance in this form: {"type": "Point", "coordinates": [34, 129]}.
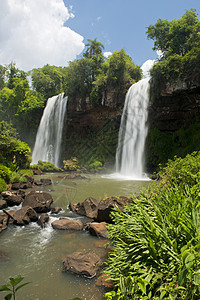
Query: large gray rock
{"type": "Point", "coordinates": [13, 200]}
{"type": "Point", "coordinates": [3, 204]}
{"type": "Point", "coordinates": [39, 201]}
{"type": "Point", "coordinates": [43, 219]}
{"type": "Point", "coordinates": [86, 208]}
{"type": "Point", "coordinates": [97, 229]}
{"type": "Point", "coordinates": [24, 216]}
{"type": "Point", "coordinates": [65, 224]}
{"type": "Point", "coordinates": [85, 264]}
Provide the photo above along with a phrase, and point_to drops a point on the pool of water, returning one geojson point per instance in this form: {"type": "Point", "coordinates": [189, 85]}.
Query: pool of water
{"type": "Point", "coordinates": [37, 253]}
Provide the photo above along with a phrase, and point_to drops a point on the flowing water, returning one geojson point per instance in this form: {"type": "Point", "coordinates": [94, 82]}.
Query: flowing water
{"type": "Point", "coordinates": [37, 253]}
{"type": "Point", "coordinates": [133, 131]}
{"type": "Point", "coordinates": [49, 134]}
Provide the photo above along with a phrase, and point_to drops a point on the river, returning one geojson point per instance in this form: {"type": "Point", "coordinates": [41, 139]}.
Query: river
{"type": "Point", "coordinates": [37, 254]}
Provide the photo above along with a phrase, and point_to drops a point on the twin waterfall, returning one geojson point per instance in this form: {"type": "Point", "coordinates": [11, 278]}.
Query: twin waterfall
{"type": "Point", "coordinates": [133, 131]}
{"type": "Point", "coordinates": [49, 134]}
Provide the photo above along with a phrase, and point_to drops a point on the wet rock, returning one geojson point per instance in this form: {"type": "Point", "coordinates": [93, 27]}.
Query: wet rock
{"type": "Point", "coordinates": [97, 229]}
{"type": "Point", "coordinates": [80, 263]}
{"type": "Point", "coordinates": [103, 280]}
{"type": "Point", "coordinates": [3, 204]}
{"type": "Point", "coordinates": [3, 256]}
{"type": "Point", "coordinates": [107, 204]}
{"type": "Point", "coordinates": [99, 210]}
{"type": "Point", "coordinates": [56, 210]}
{"type": "Point", "coordinates": [6, 194]}
{"type": "Point", "coordinates": [24, 216]}
{"type": "Point", "coordinates": [86, 208]}
{"type": "Point", "coordinates": [46, 181]}
{"type": "Point", "coordinates": [65, 224]}
{"type": "Point", "coordinates": [21, 185]}
{"type": "Point", "coordinates": [39, 201]}
{"type": "Point", "coordinates": [38, 182]}
{"type": "Point", "coordinates": [44, 218]}
{"type": "Point", "coordinates": [13, 200]}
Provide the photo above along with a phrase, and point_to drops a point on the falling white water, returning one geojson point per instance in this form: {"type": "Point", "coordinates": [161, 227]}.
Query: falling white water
{"type": "Point", "coordinates": [133, 131]}
{"type": "Point", "coordinates": [49, 134]}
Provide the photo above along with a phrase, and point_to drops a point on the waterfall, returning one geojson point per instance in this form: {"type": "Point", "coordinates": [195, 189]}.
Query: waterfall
{"type": "Point", "coordinates": [49, 134]}
{"type": "Point", "coordinates": [133, 131]}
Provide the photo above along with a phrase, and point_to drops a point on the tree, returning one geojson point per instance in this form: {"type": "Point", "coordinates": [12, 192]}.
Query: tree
{"type": "Point", "coordinates": [48, 80]}
{"type": "Point", "coordinates": [176, 36]}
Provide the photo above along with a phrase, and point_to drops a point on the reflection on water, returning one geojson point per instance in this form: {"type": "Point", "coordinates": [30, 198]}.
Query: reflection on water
{"type": "Point", "coordinates": [37, 253]}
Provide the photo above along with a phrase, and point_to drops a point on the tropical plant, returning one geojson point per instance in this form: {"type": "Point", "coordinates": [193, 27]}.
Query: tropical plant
{"type": "Point", "coordinates": [12, 287]}
{"type": "Point", "coordinates": [157, 238]}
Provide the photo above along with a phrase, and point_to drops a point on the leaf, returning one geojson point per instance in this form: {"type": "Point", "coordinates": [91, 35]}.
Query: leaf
{"type": "Point", "coordinates": [20, 286]}
{"type": "Point", "coordinates": [17, 280]}
{"type": "Point", "coordinates": [8, 297]}
{"type": "Point", "coordinates": [4, 288]}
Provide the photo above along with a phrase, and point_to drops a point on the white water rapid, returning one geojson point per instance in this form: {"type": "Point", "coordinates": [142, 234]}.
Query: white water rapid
{"type": "Point", "coordinates": [49, 134]}
{"type": "Point", "coordinates": [133, 132]}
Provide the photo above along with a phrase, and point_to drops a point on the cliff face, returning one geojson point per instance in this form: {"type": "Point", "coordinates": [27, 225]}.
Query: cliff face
{"type": "Point", "coordinates": [174, 122]}
{"type": "Point", "coordinates": [176, 104]}
{"type": "Point", "coordinates": [83, 117]}
{"type": "Point", "coordinates": [91, 131]}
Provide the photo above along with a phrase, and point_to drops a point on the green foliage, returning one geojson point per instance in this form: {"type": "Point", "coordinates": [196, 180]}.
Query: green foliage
{"type": "Point", "coordinates": [160, 146]}
{"type": "Point", "coordinates": [3, 186]}
{"type": "Point", "coordinates": [95, 165]}
{"type": "Point", "coordinates": [12, 287]}
{"type": "Point", "coordinates": [179, 41]}
{"type": "Point", "coordinates": [13, 152]}
{"type": "Point", "coordinates": [156, 239]}
{"type": "Point", "coordinates": [48, 80]}
{"type": "Point", "coordinates": [182, 171]}
{"type": "Point", "coordinates": [45, 166]}
{"type": "Point", "coordinates": [5, 173]}
{"type": "Point", "coordinates": [176, 36]}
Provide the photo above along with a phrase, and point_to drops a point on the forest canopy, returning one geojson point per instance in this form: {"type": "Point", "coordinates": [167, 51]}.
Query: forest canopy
{"type": "Point", "coordinates": [23, 95]}
{"type": "Point", "coordinates": [179, 42]}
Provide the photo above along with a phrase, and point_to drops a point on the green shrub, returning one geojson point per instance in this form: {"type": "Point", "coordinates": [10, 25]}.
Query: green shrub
{"type": "Point", "coordinates": [157, 238]}
{"type": "Point", "coordinates": [5, 173]}
{"type": "Point", "coordinates": [182, 171]}
{"type": "Point", "coordinates": [45, 166]}
{"type": "Point", "coordinates": [3, 186]}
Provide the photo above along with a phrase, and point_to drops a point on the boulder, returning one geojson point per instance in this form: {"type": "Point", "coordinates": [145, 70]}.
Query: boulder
{"type": "Point", "coordinates": [37, 172]}
{"type": "Point", "coordinates": [106, 205]}
{"type": "Point", "coordinates": [44, 218]}
{"type": "Point", "coordinates": [6, 194]}
{"type": "Point", "coordinates": [66, 224]}
{"type": "Point", "coordinates": [21, 185]}
{"type": "Point", "coordinates": [29, 179]}
{"type": "Point", "coordinates": [38, 182]}
{"type": "Point", "coordinates": [86, 208]}
{"type": "Point", "coordinates": [46, 181]}
{"type": "Point", "coordinates": [2, 227]}
{"type": "Point", "coordinates": [39, 201]}
{"type": "Point", "coordinates": [24, 216]}
{"type": "Point", "coordinates": [80, 263]}
{"type": "Point", "coordinates": [97, 229]}
{"type": "Point", "coordinates": [56, 210]}
{"type": "Point", "coordinates": [3, 204]}
{"type": "Point", "coordinates": [13, 200]}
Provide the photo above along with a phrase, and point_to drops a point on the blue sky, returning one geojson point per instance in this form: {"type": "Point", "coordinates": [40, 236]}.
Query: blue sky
{"type": "Point", "coordinates": [38, 32]}
{"type": "Point", "coordinates": [121, 23]}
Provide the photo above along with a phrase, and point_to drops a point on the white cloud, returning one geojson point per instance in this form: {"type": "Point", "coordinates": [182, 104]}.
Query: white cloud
{"type": "Point", "coordinates": [106, 54]}
{"type": "Point", "coordinates": [32, 33]}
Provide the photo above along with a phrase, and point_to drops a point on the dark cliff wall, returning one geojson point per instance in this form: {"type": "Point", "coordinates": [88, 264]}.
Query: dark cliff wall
{"type": "Point", "coordinates": [91, 131]}
{"type": "Point", "coordinates": [174, 120]}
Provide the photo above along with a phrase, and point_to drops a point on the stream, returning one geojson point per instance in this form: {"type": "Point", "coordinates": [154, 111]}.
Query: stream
{"type": "Point", "coordinates": [37, 254]}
